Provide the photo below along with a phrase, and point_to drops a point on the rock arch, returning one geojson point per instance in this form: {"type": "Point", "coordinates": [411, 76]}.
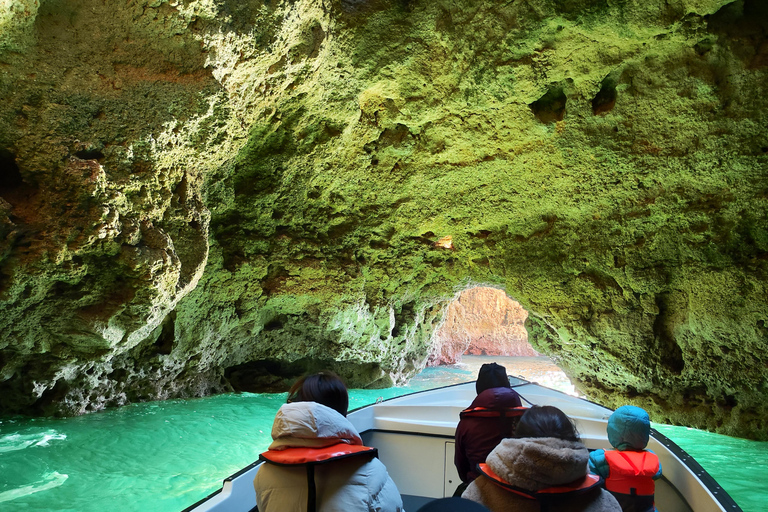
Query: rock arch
{"type": "Point", "coordinates": [481, 321]}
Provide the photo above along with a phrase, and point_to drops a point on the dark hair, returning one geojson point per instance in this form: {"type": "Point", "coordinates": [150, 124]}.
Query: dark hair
{"type": "Point", "coordinates": [323, 387]}
{"type": "Point", "coordinates": [491, 375]}
{"type": "Point", "coordinates": [546, 421]}
{"type": "Point", "coordinates": [454, 504]}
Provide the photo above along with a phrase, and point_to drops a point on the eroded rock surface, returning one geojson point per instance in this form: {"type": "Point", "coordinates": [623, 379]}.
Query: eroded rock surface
{"type": "Point", "coordinates": [481, 321]}
{"type": "Point", "coordinates": [208, 195]}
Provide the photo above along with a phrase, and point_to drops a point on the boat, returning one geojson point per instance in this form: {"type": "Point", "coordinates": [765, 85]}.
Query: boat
{"type": "Point", "coordinates": [414, 435]}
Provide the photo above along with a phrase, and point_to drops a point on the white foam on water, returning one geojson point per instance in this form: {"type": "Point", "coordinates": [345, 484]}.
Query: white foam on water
{"type": "Point", "coordinates": [14, 442]}
{"type": "Point", "coordinates": [49, 481]}
{"type": "Point", "coordinates": [558, 381]}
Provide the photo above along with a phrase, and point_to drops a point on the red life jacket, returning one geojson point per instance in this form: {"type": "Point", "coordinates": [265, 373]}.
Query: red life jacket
{"type": "Point", "coordinates": [631, 472]}
{"type": "Point", "coordinates": [310, 457]}
{"type": "Point", "coordinates": [508, 417]}
{"type": "Point", "coordinates": [586, 484]}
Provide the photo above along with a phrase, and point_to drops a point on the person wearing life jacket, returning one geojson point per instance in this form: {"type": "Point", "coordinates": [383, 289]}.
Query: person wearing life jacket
{"type": "Point", "coordinates": [542, 469]}
{"type": "Point", "coordinates": [490, 418]}
{"type": "Point", "coordinates": [317, 460]}
{"type": "Point", "coordinates": [629, 469]}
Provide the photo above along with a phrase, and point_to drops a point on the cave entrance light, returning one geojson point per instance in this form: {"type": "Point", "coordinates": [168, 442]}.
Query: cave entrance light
{"type": "Point", "coordinates": [482, 324]}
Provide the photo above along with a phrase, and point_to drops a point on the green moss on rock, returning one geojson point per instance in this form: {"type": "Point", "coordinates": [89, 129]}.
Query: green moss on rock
{"type": "Point", "coordinates": [300, 185]}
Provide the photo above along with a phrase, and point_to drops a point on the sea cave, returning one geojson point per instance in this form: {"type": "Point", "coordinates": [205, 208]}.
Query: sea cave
{"type": "Point", "coordinates": [205, 196]}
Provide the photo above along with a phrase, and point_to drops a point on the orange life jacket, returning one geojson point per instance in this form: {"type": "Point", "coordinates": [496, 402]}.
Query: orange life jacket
{"type": "Point", "coordinates": [630, 479]}
{"type": "Point", "coordinates": [310, 457]}
{"type": "Point", "coordinates": [631, 472]}
{"type": "Point", "coordinates": [586, 484]}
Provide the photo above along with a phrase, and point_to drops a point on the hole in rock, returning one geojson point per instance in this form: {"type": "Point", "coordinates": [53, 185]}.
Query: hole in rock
{"type": "Point", "coordinates": [90, 154]}
{"type": "Point", "coordinates": [164, 343]}
{"type": "Point", "coordinates": [10, 176]}
{"type": "Point", "coordinates": [605, 99]}
{"type": "Point", "coordinates": [483, 325]}
{"type": "Point", "coordinates": [550, 107]}
{"type": "Point", "coordinates": [273, 325]}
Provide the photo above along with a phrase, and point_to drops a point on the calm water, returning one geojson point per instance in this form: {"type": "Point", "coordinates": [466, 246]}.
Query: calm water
{"type": "Point", "coordinates": [165, 456]}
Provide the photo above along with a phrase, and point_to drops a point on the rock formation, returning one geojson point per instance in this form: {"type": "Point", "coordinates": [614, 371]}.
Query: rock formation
{"type": "Point", "coordinates": [207, 195]}
{"type": "Point", "coordinates": [481, 321]}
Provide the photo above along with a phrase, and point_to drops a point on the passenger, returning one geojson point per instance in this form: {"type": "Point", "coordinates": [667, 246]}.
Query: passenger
{"type": "Point", "coordinates": [630, 469]}
{"type": "Point", "coordinates": [543, 468]}
{"type": "Point", "coordinates": [477, 432]}
{"type": "Point", "coordinates": [317, 460]}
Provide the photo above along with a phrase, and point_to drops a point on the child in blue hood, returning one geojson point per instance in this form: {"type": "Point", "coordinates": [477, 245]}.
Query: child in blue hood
{"type": "Point", "coordinates": [629, 470]}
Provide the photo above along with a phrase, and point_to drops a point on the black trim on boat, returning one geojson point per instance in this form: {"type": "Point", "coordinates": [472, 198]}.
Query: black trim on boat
{"type": "Point", "coordinates": [706, 479]}
{"type": "Point", "coordinates": [244, 470]}
{"type": "Point", "coordinates": [218, 491]}
{"type": "Point", "coordinates": [198, 503]}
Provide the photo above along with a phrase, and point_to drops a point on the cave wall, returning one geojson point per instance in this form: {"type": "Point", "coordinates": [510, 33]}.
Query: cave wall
{"type": "Point", "coordinates": [200, 196]}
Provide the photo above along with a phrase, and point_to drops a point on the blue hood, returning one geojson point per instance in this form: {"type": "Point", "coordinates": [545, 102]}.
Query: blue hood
{"type": "Point", "coordinates": [629, 428]}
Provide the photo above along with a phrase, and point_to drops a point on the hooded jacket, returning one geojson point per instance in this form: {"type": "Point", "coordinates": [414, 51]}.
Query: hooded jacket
{"type": "Point", "coordinates": [534, 464]}
{"type": "Point", "coordinates": [476, 437]}
{"type": "Point", "coordinates": [629, 429]}
{"type": "Point", "coordinates": [356, 483]}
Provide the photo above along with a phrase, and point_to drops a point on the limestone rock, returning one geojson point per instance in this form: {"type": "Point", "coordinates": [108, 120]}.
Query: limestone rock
{"type": "Point", "coordinates": [210, 195]}
{"type": "Point", "coordinates": [481, 321]}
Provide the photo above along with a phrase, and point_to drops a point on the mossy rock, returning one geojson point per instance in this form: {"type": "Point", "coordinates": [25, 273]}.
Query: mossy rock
{"type": "Point", "coordinates": [216, 195]}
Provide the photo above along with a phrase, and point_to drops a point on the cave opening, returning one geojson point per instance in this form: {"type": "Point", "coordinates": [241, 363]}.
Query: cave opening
{"type": "Point", "coordinates": [10, 175]}
{"type": "Point", "coordinates": [482, 325]}
{"type": "Point", "coordinates": [550, 107]}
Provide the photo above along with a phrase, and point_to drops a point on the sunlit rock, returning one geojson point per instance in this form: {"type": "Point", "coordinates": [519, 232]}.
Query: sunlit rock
{"type": "Point", "coordinates": [481, 321]}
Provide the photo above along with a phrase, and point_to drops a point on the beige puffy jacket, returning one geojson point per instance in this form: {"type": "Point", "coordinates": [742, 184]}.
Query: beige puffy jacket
{"type": "Point", "coordinates": [357, 483]}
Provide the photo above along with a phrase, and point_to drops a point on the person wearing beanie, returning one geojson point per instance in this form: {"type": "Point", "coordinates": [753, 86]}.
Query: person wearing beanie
{"type": "Point", "coordinates": [490, 418]}
{"type": "Point", "coordinates": [629, 469]}
{"type": "Point", "coordinates": [491, 375]}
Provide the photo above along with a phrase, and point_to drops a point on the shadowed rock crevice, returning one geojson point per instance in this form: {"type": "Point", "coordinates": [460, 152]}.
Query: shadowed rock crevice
{"type": "Point", "coordinates": [10, 176]}
{"type": "Point", "coordinates": [276, 376]}
{"type": "Point", "coordinates": [605, 99]}
{"type": "Point", "coordinates": [550, 107]}
{"type": "Point", "coordinates": [745, 24]}
{"type": "Point", "coordinates": [90, 154]}
{"type": "Point", "coordinates": [668, 351]}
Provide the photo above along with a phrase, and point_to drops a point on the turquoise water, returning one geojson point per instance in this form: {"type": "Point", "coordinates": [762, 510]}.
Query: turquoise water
{"type": "Point", "coordinates": [164, 456]}
{"type": "Point", "coordinates": [740, 466]}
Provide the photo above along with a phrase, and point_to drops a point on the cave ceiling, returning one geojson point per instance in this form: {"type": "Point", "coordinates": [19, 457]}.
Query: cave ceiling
{"type": "Point", "coordinates": [216, 195]}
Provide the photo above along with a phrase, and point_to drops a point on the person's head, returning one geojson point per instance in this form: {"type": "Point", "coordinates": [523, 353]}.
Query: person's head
{"type": "Point", "coordinates": [546, 421]}
{"type": "Point", "coordinates": [323, 387]}
{"type": "Point", "coordinates": [629, 428]}
{"type": "Point", "coordinates": [491, 375]}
